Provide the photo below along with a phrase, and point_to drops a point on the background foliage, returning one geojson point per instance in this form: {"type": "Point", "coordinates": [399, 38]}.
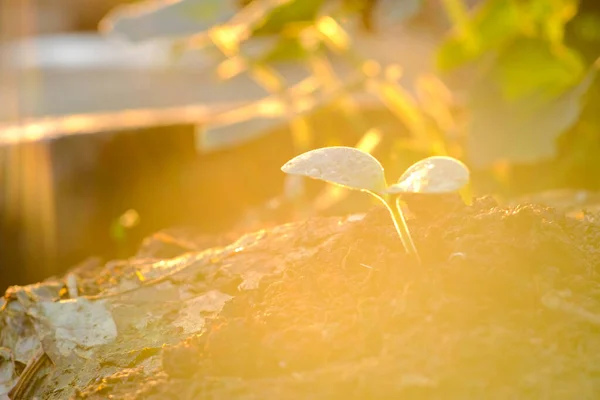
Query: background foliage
{"type": "Point", "coordinates": [514, 93]}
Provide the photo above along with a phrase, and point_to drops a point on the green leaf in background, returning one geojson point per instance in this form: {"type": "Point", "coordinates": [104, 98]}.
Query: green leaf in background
{"type": "Point", "coordinates": [547, 18]}
{"type": "Point", "coordinates": [532, 82]}
{"type": "Point", "coordinates": [530, 66]}
{"type": "Point", "coordinates": [205, 10]}
{"type": "Point", "coordinates": [493, 24]}
{"type": "Point", "coordinates": [285, 49]}
{"type": "Point", "coordinates": [292, 12]}
{"type": "Point", "coordinates": [521, 131]}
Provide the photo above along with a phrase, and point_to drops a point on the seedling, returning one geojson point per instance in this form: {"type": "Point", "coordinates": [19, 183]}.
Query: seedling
{"type": "Point", "coordinates": [355, 169]}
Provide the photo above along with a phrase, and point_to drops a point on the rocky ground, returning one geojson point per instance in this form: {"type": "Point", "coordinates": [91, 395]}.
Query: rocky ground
{"type": "Point", "coordinates": [506, 305]}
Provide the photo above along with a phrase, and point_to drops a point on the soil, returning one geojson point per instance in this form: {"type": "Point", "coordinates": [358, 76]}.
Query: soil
{"type": "Point", "coordinates": [506, 305]}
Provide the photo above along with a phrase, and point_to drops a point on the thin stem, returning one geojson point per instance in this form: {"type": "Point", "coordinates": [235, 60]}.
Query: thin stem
{"type": "Point", "coordinates": [402, 229]}
{"type": "Point", "coordinates": [400, 225]}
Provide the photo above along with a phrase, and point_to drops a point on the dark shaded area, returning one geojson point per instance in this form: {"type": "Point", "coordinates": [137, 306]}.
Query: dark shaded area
{"type": "Point", "coordinates": [159, 173]}
{"type": "Point", "coordinates": [156, 172]}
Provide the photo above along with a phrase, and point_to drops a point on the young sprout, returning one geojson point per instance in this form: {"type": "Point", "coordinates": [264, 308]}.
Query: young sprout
{"type": "Point", "coordinates": [355, 169]}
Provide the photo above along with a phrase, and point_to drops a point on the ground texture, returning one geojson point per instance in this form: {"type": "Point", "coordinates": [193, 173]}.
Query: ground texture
{"type": "Point", "coordinates": [506, 305]}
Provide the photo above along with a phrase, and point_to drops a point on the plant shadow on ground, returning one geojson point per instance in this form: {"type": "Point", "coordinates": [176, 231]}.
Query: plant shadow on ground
{"type": "Point", "coordinates": [496, 311]}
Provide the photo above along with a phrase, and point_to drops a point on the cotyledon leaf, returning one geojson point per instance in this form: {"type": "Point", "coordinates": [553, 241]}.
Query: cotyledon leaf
{"type": "Point", "coordinates": [345, 166]}
{"type": "Point", "coordinates": [438, 174]}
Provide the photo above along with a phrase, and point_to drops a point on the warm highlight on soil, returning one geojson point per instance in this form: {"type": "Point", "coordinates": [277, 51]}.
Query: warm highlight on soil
{"type": "Point", "coordinates": [503, 307]}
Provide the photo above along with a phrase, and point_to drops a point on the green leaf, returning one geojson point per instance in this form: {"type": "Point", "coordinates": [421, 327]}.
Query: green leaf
{"type": "Point", "coordinates": [438, 174]}
{"type": "Point", "coordinates": [497, 23]}
{"type": "Point", "coordinates": [292, 12]}
{"type": "Point", "coordinates": [521, 131]}
{"type": "Point", "coordinates": [344, 166]}
{"type": "Point", "coordinates": [493, 24]}
{"type": "Point", "coordinates": [204, 10]}
{"type": "Point", "coordinates": [285, 49]}
{"type": "Point", "coordinates": [547, 18]}
{"type": "Point", "coordinates": [530, 66]}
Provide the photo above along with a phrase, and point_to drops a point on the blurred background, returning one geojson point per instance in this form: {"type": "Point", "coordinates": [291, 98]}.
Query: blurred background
{"type": "Point", "coordinates": [122, 118]}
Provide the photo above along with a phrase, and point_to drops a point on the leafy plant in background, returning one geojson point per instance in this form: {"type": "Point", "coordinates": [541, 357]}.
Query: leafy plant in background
{"type": "Point", "coordinates": [324, 35]}
{"type": "Point", "coordinates": [355, 169]}
{"type": "Point", "coordinates": [523, 88]}
{"type": "Point", "coordinates": [528, 83]}
{"type": "Point", "coordinates": [264, 32]}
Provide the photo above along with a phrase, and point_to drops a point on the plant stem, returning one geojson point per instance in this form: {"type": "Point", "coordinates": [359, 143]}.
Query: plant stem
{"type": "Point", "coordinates": [401, 227]}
